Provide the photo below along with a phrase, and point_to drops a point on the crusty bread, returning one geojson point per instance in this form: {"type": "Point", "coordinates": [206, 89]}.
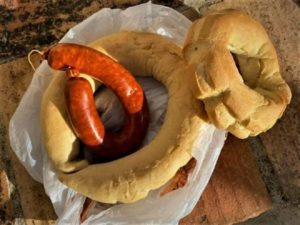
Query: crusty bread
{"type": "Point", "coordinates": [132, 177]}
{"type": "Point", "coordinates": [228, 62]}
{"type": "Point", "coordinates": [236, 72]}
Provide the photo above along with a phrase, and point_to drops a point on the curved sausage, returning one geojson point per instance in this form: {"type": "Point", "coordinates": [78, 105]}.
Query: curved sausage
{"type": "Point", "coordinates": [82, 112]}
{"type": "Point", "coordinates": [67, 56]}
{"type": "Point", "coordinates": [89, 127]}
{"type": "Point", "coordinates": [76, 59]}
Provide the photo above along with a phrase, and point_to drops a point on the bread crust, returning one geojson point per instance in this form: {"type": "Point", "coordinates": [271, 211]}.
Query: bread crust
{"type": "Point", "coordinates": [132, 177]}
{"type": "Point", "coordinates": [246, 99]}
{"type": "Point", "coordinates": [228, 62]}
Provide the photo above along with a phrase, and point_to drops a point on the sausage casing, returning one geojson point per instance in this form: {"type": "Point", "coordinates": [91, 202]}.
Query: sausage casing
{"type": "Point", "coordinates": [88, 125]}
{"type": "Point", "coordinates": [68, 56]}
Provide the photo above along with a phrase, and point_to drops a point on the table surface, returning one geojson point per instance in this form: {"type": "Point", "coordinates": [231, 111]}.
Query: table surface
{"type": "Point", "coordinates": [27, 26]}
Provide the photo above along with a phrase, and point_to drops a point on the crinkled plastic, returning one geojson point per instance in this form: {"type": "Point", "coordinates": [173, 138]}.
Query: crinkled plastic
{"type": "Point", "coordinates": [25, 130]}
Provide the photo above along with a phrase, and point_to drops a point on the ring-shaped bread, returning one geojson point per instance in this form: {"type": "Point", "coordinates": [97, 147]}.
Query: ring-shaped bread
{"type": "Point", "coordinates": [237, 74]}
{"type": "Point", "coordinates": [130, 178]}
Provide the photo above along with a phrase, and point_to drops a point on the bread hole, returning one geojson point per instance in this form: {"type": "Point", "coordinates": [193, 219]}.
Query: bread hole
{"type": "Point", "coordinates": [112, 113]}
{"type": "Point", "coordinates": [249, 68]}
{"type": "Point", "coordinates": [109, 108]}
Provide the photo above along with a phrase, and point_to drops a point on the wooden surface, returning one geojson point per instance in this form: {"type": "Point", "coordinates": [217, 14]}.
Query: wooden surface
{"type": "Point", "coordinates": [235, 191]}
{"type": "Point", "coordinates": [26, 195]}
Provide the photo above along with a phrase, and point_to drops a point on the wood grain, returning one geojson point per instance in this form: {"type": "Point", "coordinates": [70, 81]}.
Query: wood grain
{"type": "Point", "coordinates": [15, 77]}
{"type": "Point", "coordinates": [235, 191]}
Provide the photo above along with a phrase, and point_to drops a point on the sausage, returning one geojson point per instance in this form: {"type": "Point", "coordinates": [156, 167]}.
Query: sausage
{"type": "Point", "coordinates": [82, 112]}
{"type": "Point", "coordinates": [78, 58]}
{"type": "Point", "coordinates": [89, 127]}
{"type": "Point", "coordinates": [87, 124]}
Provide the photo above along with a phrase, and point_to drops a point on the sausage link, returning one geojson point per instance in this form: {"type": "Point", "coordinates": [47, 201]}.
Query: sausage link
{"type": "Point", "coordinates": [89, 127]}
{"type": "Point", "coordinates": [66, 56]}
{"type": "Point", "coordinates": [82, 111]}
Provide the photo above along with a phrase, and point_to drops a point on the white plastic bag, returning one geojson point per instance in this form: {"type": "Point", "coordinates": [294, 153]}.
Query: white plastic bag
{"type": "Point", "coordinates": [25, 131]}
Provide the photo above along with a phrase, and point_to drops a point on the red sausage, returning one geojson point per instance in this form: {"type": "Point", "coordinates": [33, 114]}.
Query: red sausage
{"type": "Point", "coordinates": [83, 59]}
{"type": "Point", "coordinates": [82, 111]}
{"type": "Point", "coordinates": [76, 59]}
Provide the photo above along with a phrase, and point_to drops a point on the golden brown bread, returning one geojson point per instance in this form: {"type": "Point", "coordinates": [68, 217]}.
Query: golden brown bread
{"type": "Point", "coordinates": [236, 72]}
{"type": "Point", "coordinates": [130, 178]}
{"type": "Point", "coordinates": [232, 67]}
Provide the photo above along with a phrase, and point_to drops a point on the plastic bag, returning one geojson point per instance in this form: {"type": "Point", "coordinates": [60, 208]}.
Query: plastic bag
{"type": "Point", "coordinates": [26, 141]}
